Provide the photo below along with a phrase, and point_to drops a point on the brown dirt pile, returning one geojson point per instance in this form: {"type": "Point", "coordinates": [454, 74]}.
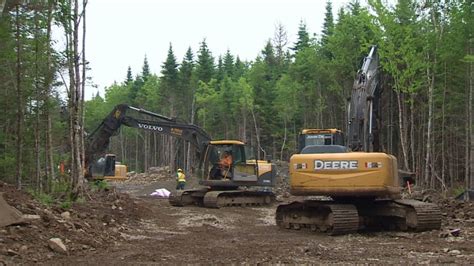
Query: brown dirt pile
{"type": "Point", "coordinates": [85, 227]}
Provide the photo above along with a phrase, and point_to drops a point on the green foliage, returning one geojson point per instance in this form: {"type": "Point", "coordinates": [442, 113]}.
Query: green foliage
{"type": "Point", "coordinates": [60, 188]}
{"type": "Point", "coordinates": [205, 63]}
{"type": "Point", "coordinates": [100, 185]}
{"type": "Point", "coordinates": [303, 40]}
{"type": "Point", "coordinates": [145, 70]}
{"type": "Point", "coordinates": [65, 205]}
{"type": "Point", "coordinates": [456, 191]}
{"type": "Point", "coordinates": [328, 26]}
{"type": "Point", "coordinates": [129, 77]}
{"type": "Point", "coordinates": [261, 101]}
{"type": "Point", "coordinates": [43, 198]}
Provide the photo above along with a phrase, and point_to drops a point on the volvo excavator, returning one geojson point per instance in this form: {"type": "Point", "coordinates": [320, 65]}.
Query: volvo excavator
{"type": "Point", "coordinates": [357, 186]}
{"type": "Point", "coordinates": [219, 188]}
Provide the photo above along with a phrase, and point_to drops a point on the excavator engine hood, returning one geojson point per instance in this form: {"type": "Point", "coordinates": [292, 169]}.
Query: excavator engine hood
{"type": "Point", "coordinates": [351, 174]}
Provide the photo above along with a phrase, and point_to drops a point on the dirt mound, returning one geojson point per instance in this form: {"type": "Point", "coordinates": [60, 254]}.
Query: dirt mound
{"type": "Point", "coordinates": [86, 226]}
{"type": "Point", "coordinates": [153, 174]}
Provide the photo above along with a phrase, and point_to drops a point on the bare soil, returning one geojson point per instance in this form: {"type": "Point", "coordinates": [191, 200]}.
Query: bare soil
{"type": "Point", "coordinates": [124, 225]}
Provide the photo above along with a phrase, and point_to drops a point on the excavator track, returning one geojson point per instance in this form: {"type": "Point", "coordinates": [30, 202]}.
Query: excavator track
{"type": "Point", "coordinates": [401, 215]}
{"type": "Point", "coordinates": [329, 217]}
{"type": "Point", "coordinates": [421, 216]}
{"type": "Point", "coordinates": [187, 197]}
{"type": "Point", "coordinates": [229, 198]}
{"type": "Point", "coordinates": [337, 218]}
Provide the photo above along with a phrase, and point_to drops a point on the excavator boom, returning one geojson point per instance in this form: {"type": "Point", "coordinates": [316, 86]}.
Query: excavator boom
{"type": "Point", "coordinates": [98, 141]}
{"type": "Point", "coordinates": [362, 110]}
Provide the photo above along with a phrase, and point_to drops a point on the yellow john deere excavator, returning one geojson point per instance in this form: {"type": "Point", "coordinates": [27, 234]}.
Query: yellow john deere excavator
{"type": "Point", "coordinates": [219, 188]}
{"type": "Point", "coordinates": [360, 183]}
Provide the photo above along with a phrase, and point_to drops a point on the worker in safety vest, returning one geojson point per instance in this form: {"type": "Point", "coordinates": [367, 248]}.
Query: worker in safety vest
{"type": "Point", "coordinates": [181, 180]}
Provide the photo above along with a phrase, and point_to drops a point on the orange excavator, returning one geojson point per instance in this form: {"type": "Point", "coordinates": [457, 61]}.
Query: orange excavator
{"type": "Point", "coordinates": [358, 185]}
{"type": "Point", "coordinates": [246, 181]}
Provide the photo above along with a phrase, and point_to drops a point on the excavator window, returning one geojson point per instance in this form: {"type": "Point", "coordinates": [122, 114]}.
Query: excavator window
{"type": "Point", "coordinates": [216, 158]}
{"type": "Point", "coordinates": [319, 139]}
{"type": "Point", "coordinates": [324, 149]}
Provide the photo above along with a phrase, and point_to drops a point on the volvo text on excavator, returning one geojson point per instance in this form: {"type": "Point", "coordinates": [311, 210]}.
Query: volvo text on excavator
{"type": "Point", "coordinates": [361, 184]}
{"type": "Point", "coordinates": [221, 186]}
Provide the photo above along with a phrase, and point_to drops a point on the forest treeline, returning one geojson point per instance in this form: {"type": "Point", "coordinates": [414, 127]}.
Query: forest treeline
{"type": "Point", "coordinates": [426, 52]}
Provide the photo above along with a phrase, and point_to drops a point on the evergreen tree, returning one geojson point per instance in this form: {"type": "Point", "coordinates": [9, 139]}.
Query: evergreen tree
{"type": "Point", "coordinates": [186, 83]}
{"type": "Point", "coordinates": [169, 78]}
{"type": "Point", "coordinates": [303, 40]}
{"type": "Point", "coordinates": [328, 26]}
{"type": "Point", "coordinates": [129, 78]}
{"type": "Point", "coordinates": [239, 68]}
{"type": "Point", "coordinates": [205, 63]}
{"type": "Point", "coordinates": [146, 69]}
{"type": "Point", "coordinates": [220, 73]}
{"type": "Point", "coordinates": [268, 54]}
{"type": "Point", "coordinates": [229, 64]}
{"type": "Point", "coordinates": [134, 90]}
{"type": "Point", "coordinates": [327, 32]}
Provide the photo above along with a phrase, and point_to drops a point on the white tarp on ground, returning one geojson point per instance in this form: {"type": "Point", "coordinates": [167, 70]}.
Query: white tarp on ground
{"type": "Point", "coordinates": [161, 193]}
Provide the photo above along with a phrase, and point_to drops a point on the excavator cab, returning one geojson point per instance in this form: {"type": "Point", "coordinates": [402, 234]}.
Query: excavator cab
{"type": "Point", "coordinates": [309, 137]}
{"type": "Point", "coordinates": [107, 168]}
{"type": "Point", "coordinates": [227, 164]}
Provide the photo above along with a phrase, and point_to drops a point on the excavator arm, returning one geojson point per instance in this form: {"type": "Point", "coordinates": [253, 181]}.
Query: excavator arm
{"type": "Point", "coordinates": [363, 105]}
{"type": "Point", "coordinates": [98, 141]}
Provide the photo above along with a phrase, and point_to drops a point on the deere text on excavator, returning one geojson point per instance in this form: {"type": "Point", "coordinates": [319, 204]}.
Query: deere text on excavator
{"type": "Point", "coordinates": [361, 184]}
{"type": "Point", "coordinates": [222, 186]}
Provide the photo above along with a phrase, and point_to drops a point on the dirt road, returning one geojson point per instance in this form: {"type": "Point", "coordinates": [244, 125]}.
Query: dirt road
{"type": "Point", "coordinates": [148, 230]}
{"type": "Point", "coordinates": [249, 235]}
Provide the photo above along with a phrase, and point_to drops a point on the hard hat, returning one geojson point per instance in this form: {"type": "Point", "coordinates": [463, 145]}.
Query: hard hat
{"type": "Point", "coordinates": [180, 170]}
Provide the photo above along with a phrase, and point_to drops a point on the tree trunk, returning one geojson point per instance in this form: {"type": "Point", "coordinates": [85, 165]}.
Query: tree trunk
{"type": "Point", "coordinates": [443, 125]}
{"type": "Point", "coordinates": [428, 160]}
{"type": "Point", "coordinates": [136, 152]}
{"type": "Point", "coordinates": [257, 135]}
{"type": "Point", "coordinates": [284, 139]}
{"type": "Point", "coordinates": [50, 173]}
{"type": "Point", "coordinates": [172, 143]}
{"type": "Point", "coordinates": [412, 132]}
{"type": "Point", "coordinates": [402, 128]}
{"type": "Point", "coordinates": [19, 128]}
{"type": "Point", "coordinates": [83, 88]}
{"type": "Point", "coordinates": [470, 103]}
{"type": "Point", "coordinates": [189, 159]}
{"type": "Point", "coordinates": [37, 136]}
{"type": "Point", "coordinates": [146, 151]}
{"type": "Point", "coordinates": [75, 105]}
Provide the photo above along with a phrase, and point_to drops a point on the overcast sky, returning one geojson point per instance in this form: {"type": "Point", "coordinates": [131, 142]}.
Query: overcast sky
{"type": "Point", "coordinates": [120, 33]}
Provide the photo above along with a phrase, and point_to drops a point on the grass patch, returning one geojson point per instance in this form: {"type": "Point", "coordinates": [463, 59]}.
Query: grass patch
{"type": "Point", "coordinates": [100, 185]}
{"type": "Point", "coordinates": [45, 199]}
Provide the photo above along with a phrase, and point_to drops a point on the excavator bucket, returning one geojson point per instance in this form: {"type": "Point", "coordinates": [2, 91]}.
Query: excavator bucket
{"type": "Point", "coordinates": [8, 214]}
